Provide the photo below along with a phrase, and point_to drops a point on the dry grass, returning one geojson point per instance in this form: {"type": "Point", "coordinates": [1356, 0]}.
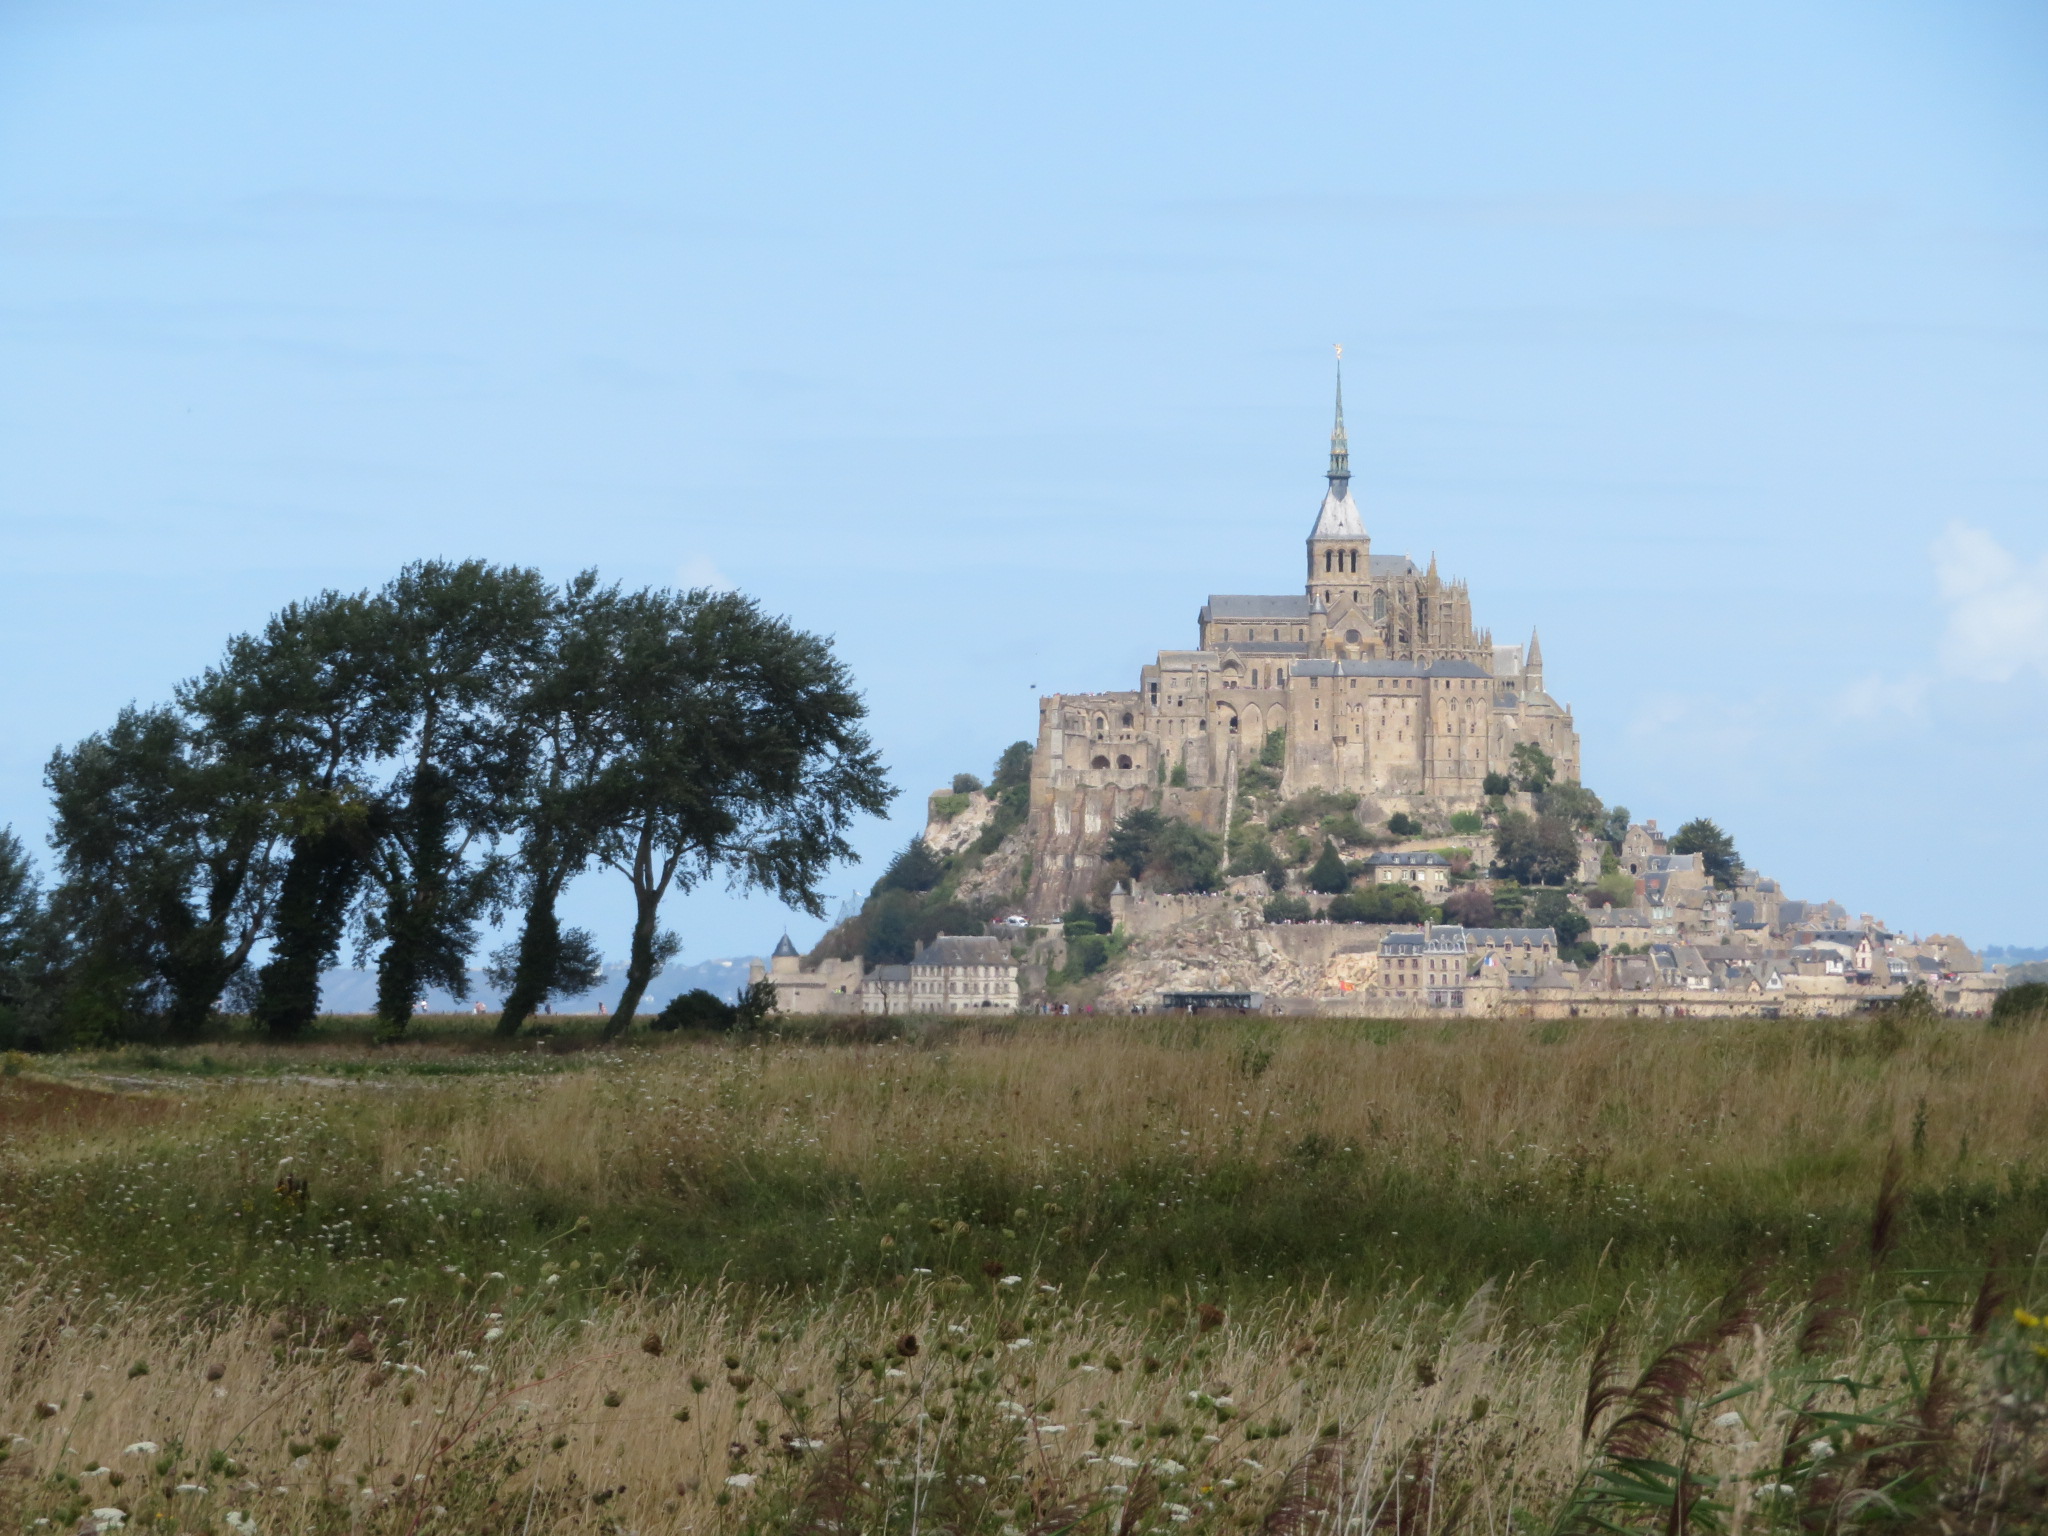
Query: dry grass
{"type": "Point", "coordinates": [1411, 1236]}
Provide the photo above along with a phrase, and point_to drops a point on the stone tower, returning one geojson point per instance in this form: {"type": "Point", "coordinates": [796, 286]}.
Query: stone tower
{"type": "Point", "coordinates": [1339, 549]}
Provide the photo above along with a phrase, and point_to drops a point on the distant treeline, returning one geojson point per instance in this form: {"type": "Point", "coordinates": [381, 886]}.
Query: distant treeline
{"type": "Point", "coordinates": [403, 766]}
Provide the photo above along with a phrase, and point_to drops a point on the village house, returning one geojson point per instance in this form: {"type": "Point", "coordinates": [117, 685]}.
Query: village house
{"type": "Point", "coordinates": [1424, 871]}
{"type": "Point", "coordinates": [952, 974]}
{"type": "Point", "coordinates": [1424, 966]}
{"type": "Point", "coordinates": [1515, 951]}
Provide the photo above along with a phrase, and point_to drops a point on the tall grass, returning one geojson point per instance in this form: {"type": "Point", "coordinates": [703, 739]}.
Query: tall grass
{"type": "Point", "coordinates": [1330, 1272]}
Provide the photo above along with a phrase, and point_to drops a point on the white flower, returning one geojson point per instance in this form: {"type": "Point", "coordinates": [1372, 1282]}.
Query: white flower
{"type": "Point", "coordinates": [191, 1487]}
{"type": "Point", "coordinates": [1167, 1467]}
{"type": "Point", "coordinates": [899, 1375]}
{"type": "Point", "coordinates": [1179, 1513]}
{"type": "Point", "coordinates": [110, 1519]}
{"type": "Point", "coordinates": [1256, 1466]}
{"type": "Point", "coordinates": [396, 1301]}
{"type": "Point", "coordinates": [1011, 1280]}
{"type": "Point", "coordinates": [1052, 1429]}
{"type": "Point", "coordinates": [1020, 1343]}
{"type": "Point", "coordinates": [1127, 1462]}
{"type": "Point", "coordinates": [141, 1448]}
{"type": "Point", "coordinates": [492, 1335]}
{"type": "Point", "coordinates": [1729, 1420]}
{"type": "Point", "coordinates": [1775, 1491]}
{"type": "Point", "coordinates": [237, 1521]}
{"type": "Point", "coordinates": [916, 1271]}
{"type": "Point", "coordinates": [552, 1280]}
{"type": "Point", "coordinates": [740, 1480]}
{"type": "Point", "coordinates": [495, 1274]}
{"type": "Point", "coordinates": [1821, 1449]}
{"type": "Point", "coordinates": [807, 1445]}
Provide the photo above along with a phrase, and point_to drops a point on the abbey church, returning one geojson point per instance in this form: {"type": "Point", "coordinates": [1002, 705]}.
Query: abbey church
{"type": "Point", "coordinates": [1374, 671]}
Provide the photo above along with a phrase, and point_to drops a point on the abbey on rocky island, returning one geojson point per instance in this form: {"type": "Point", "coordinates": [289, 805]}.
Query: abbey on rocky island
{"type": "Point", "coordinates": [1373, 670]}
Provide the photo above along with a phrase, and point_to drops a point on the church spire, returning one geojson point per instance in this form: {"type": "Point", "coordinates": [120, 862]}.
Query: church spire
{"type": "Point", "coordinates": [1340, 447]}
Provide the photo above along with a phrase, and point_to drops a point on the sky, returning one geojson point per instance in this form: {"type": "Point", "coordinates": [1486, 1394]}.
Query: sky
{"type": "Point", "coordinates": [989, 340]}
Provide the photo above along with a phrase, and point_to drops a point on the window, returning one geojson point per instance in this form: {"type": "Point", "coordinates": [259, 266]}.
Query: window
{"type": "Point", "coordinates": [1123, 760]}
{"type": "Point", "coordinates": [1127, 719]}
{"type": "Point", "coordinates": [1098, 762]}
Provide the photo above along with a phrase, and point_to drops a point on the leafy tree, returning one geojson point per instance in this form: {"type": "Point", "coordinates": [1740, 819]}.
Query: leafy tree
{"type": "Point", "coordinates": [310, 699]}
{"type": "Point", "coordinates": [696, 1009]}
{"type": "Point", "coordinates": [1533, 766]}
{"type": "Point", "coordinates": [1401, 824]}
{"type": "Point", "coordinates": [1571, 802]}
{"type": "Point", "coordinates": [1510, 903]}
{"type": "Point", "coordinates": [742, 754]}
{"type": "Point", "coordinates": [1715, 848]}
{"type": "Point", "coordinates": [965, 784]}
{"type": "Point", "coordinates": [1013, 804]}
{"type": "Point", "coordinates": [1289, 909]}
{"type": "Point", "coordinates": [916, 868]}
{"type": "Point", "coordinates": [1012, 768]}
{"type": "Point", "coordinates": [1553, 909]}
{"type": "Point", "coordinates": [1471, 905]}
{"type": "Point", "coordinates": [1250, 851]}
{"type": "Point", "coordinates": [1535, 850]}
{"type": "Point", "coordinates": [1496, 784]}
{"type": "Point", "coordinates": [898, 921]}
{"type": "Point", "coordinates": [1466, 823]}
{"type": "Point", "coordinates": [1169, 854]}
{"type": "Point", "coordinates": [574, 965]}
{"type": "Point", "coordinates": [465, 641]}
{"type": "Point", "coordinates": [1273, 751]}
{"type": "Point", "coordinates": [1328, 873]}
{"type": "Point", "coordinates": [563, 726]}
{"type": "Point", "coordinates": [165, 851]}
{"type": "Point", "coordinates": [1178, 779]}
{"type": "Point", "coordinates": [1614, 827]}
{"type": "Point", "coordinates": [1383, 904]}
{"type": "Point", "coordinates": [20, 911]}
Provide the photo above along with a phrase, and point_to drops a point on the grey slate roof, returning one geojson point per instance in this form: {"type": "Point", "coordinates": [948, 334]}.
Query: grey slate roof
{"type": "Point", "coordinates": [1339, 517]}
{"type": "Point", "coordinates": [1239, 605]}
{"type": "Point", "coordinates": [1441, 939]}
{"type": "Point", "coordinates": [1393, 565]}
{"type": "Point", "coordinates": [957, 949]}
{"type": "Point", "coordinates": [785, 948]}
{"type": "Point", "coordinates": [1410, 860]}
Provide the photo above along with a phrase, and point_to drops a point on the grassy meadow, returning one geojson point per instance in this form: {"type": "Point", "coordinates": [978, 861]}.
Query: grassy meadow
{"type": "Point", "coordinates": [1042, 1275]}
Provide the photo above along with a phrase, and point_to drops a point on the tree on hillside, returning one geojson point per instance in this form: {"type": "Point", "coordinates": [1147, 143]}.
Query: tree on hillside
{"type": "Point", "coordinates": [464, 642]}
{"type": "Point", "coordinates": [743, 756]}
{"type": "Point", "coordinates": [1328, 873]}
{"type": "Point", "coordinates": [1715, 848]}
{"type": "Point", "coordinates": [1471, 905]}
{"type": "Point", "coordinates": [1534, 769]}
{"type": "Point", "coordinates": [1012, 768]}
{"type": "Point", "coordinates": [1170, 855]}
{"type": "Point", "coordinates": [916, 868]}
{"type": "Point", "coordinates": [1553, 909]}
{"type": "Point", "coordinates": [1535, 850]}
{"type": "Point", "coordinates": [310, 699]}
{"type": "Point", "coordinates": [165, 855]}
{"type": "Point", "coordinates": [1401, 903]}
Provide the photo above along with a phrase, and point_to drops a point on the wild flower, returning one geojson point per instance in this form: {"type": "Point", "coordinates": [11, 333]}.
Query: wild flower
{"type": "Point", "coordinates": [241, 1523]}
{"type": "Point", "coordinates": [1011, 1280]}
{"type": "Point", "coordinates": [1020, 1343]}
{"type": "Point", "coordinates": [1729, 1420]}
{"type": "Point", "coordinates": [141, 1448]}
{"type": "Point", "coordinates": [740, 1480]}
{"type": "Point", "coordinates": [1821, 1449]}
{"type": "Point", "coordinates": [492, 1335]}
{"type": "Point", "coordinates": [191, 1487]}
{"type": "Point", "coordinates": [1166, 1466]}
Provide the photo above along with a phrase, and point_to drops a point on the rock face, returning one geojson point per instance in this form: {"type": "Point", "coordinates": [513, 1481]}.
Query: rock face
{"type": "Point", "coordinates": [1221, 946]}
{"type": "Point", "coordinates": [945, 835]}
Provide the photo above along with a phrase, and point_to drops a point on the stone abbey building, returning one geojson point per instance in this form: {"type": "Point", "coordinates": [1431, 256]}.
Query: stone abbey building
{"type": "Point", "coordinates": [1374, 669]}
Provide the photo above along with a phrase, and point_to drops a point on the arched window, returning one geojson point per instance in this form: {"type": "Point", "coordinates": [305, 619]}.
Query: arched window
{"type": "Point", "coordinates": [1379, 605]}
{"type": "Point", "coordinates": [1123, 760]}
{"type": "Point", "coordinates": [1101, 725]}
{"type": "Point", "coordinates": [1098, 762]}
{"type": "Point", "coordinates": [1127, 719]}
{"type": "Point", "coordinates": [1353, 636]}
{"type": "Point", "coordinates": [1354, 559]}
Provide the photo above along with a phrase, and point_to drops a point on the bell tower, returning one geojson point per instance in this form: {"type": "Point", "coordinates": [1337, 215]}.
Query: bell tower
{"type": "Point", "coordinates": [1339, 552]}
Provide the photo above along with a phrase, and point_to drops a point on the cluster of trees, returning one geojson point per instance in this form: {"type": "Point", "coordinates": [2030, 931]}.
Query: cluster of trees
{"type": "Point", "coordinates": [406, 765]}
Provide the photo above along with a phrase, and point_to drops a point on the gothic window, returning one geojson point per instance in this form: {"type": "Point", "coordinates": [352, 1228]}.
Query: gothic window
{"type": "Point", "coordinates": [1379, 605]}
{"type": "Point", "coordinates": [1123, 760]}
{"type": "Point", "coordinates": [1127, 718]}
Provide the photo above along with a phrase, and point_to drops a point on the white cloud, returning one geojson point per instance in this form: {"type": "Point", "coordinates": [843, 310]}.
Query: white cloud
{"type": "Point", "coordinates": [702, 571]}
{"type": "Point", "coordinates": [1997, 606]}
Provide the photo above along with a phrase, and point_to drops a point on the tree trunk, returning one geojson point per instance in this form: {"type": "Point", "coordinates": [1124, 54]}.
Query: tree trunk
{"type": "Point", "coordinates": [319, 882]}
{"type": "Point", "coordinates": [640, 966]}
{"type": "Point", "coordinates": [540, 956]}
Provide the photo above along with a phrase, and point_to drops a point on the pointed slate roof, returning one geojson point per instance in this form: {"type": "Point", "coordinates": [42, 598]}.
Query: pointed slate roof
{"type": "Point", "coordinates": [785, 948]}
{"type": "Point", "coordinates": [1339, 517]}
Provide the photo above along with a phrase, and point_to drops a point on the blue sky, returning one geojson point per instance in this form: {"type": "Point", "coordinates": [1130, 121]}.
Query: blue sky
{"type": "Point", "coordinates": [987, 340]}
